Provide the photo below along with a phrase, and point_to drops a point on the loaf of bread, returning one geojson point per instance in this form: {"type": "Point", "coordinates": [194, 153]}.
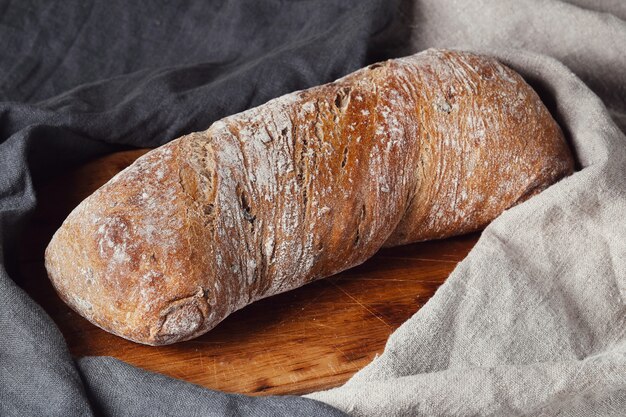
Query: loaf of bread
{"type": "Point", "coordinates": [305, 186]}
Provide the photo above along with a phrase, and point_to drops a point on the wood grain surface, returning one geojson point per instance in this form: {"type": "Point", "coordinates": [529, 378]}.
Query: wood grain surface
{"type": "Point", "coordinates": [308, 339]}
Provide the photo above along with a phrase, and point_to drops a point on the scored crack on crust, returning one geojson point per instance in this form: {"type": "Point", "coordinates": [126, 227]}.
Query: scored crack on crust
{"type": "Point", "coordinates": [300, 188]}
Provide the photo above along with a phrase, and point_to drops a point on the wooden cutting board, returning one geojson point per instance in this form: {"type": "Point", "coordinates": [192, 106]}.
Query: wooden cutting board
{"type": "Point", "coordinates": [308, 339]}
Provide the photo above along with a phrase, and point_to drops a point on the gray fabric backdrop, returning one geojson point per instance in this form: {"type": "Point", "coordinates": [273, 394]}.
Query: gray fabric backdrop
{"type": "Point", "coordinates": [533, 321]}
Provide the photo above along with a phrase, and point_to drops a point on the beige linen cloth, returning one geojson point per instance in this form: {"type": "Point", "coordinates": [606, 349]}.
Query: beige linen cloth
{"type": "Point", "coordinates": [533, 321]}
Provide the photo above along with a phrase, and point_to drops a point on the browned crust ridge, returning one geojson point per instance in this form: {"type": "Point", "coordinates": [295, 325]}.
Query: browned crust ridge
{"type": "Point", "coordinates": [305, 186]}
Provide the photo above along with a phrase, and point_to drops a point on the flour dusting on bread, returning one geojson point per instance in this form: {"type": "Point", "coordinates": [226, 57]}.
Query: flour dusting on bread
{"type": "Point", "coordinates": [300, 188]}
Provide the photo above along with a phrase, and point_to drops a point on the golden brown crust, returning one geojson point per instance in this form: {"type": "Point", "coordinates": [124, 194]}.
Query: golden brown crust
{"type": "Point", "coordinates": [307, 185]}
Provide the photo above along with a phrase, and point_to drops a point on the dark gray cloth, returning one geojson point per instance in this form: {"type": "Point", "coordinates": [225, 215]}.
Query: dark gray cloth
{"type": "Point", "coordinates": [82, 78]}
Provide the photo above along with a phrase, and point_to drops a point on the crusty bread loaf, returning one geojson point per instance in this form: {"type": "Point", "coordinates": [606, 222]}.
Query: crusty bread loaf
{"type": "Point", "coordinates": [300, 188]}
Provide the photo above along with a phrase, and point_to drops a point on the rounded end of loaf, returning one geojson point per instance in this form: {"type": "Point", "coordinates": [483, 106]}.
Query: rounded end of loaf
{"type": "Point", "coordinates": [129, 261]}
{"type": "Point", "coordinates": [496, 145]}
